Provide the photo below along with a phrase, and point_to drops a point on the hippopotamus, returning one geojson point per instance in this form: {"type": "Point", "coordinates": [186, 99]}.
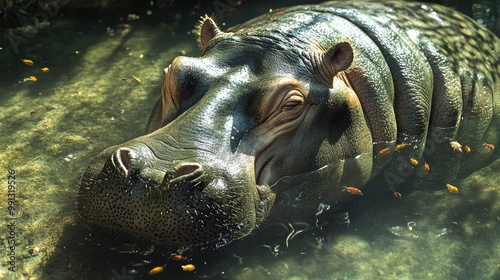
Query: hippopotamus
{"type": "Point", "coordinates": [281, 114]}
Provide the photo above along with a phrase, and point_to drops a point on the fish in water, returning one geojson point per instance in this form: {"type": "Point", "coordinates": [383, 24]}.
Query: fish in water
{"type": "Point", "coordinates": [29, 79]}
{"type": "Point", "coordinates": [155, 270]}
{"type": "Point", "coordinates": [384, 151]}
{"type": "Point", "coordinates": [28, 62]}
{"type": "Point", "coordinates": [467, 149]}
{"type": "Point", "coordinates": [178, 257]}
{"type": "Point", "coordinates": [489, 146]}
{"type": "Point", "coordinates": [452, 188]}
{"type": "Point", "coordinates": [353, 190]}
{"type": "Point", "coordinates": [188, 267]}
{"type": "Point", "coordinates": [137, 79]}
{"type": "Point", "coordinates": [456, 146]}
{"type": "Point", "coordinates": [400, 146]}
{"type": "Point", "coordinates": [398, 195]}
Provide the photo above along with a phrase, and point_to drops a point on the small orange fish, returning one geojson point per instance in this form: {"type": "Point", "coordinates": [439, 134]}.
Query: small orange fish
{"type": "Point", "coordinates": [34, 251]}
{"type": "Point", "coordinates": [398, 195]}
{"type": "Point", "coordinates": [28, 62]}
{"type": "Point", "coordinates": [178, 257]}
{"type": "Point", "coordinates": [400, 146]}
{"type": "Point", "coordinates": [45, 69]}
{"type": "Point", "coordinates": [451, 188]}
{"type": "Point", "coordinates": [413, 161]}
{"type": "Point", "coordinates": [29, 79]}
{"type": "Point", "coordinates": [489, 146]}
{"type": "Point", "coordinates": [384, 151]}
{"type": "Point", "coordinates": [427, 167]}
{"type": "Point", "coordinates": [352, 190]}
{"type": "Point", "coordinates": [188, 267]}
{"type": "Point", "coordinates": [156, 270]}
{"type": "Point", "coordinates": [467, 149]}
{"type": "Point", "coordinates": [137, 79]}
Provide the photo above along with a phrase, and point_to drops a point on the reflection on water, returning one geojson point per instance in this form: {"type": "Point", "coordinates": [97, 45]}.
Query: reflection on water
{"type": "Point", "coordinates": [88, 100]}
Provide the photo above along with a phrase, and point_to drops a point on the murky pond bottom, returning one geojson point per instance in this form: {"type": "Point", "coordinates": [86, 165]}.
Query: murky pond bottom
{"type": "Point", "coordinates": [102, 81]}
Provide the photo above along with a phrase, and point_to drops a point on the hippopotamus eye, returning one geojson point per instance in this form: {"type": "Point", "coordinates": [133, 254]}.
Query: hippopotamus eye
{"type": "Point", "coordinates": [281, 102]}
{"type": "Point", "coordinates": [291, 106]}
{"type": "Point", "coordinates": [293, 102]}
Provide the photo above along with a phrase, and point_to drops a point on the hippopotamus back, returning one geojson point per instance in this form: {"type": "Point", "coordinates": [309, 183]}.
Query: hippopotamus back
{"type": "Point", "coordinates": [297, 110]}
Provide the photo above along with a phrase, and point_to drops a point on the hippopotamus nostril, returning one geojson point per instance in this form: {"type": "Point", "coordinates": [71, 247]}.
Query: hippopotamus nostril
{"type": "Point", "coordinates": [122, 159]}
{"type": "Point", "coordinates": [186, 169]}
{"type": "Point", "coordinates": [184, 175]}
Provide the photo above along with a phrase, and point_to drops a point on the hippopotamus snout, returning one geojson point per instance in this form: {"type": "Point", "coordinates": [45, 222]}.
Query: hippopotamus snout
{"type": "Point", "coordinates": [139, 196]}
{"type": "Point", "coordinates": [184, 178]}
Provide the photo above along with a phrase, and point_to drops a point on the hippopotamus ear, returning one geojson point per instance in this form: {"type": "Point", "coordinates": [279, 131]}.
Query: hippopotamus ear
{"type": "Point", "coordinates": [336, 59]}
{"type": "Point", "coordinates": [207, 30]}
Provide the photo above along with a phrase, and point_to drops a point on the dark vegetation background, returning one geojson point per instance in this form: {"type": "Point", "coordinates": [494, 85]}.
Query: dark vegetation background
{"type": "Point", "coordinates": [16, 13]}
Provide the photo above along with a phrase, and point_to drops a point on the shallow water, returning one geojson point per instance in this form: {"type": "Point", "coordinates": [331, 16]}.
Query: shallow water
{"type": "Point", "coordinates": [50, 129]}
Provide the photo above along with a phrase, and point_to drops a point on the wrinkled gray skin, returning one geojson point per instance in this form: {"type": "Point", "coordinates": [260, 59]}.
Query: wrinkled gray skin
{"type": "Point", "coordinates": [287, 109]}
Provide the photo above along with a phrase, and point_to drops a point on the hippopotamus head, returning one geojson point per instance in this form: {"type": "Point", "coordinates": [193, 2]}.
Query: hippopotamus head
{"type": "Point", "coordinates": [229, 125]}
